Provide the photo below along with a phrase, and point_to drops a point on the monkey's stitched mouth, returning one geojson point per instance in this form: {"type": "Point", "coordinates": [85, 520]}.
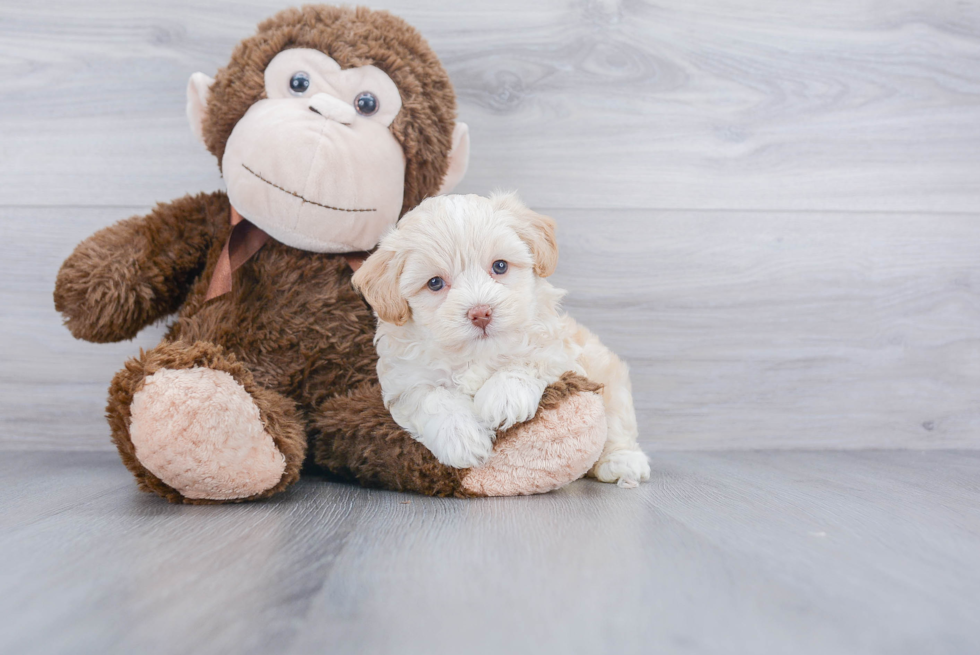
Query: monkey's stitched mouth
{"type": "Point", "coordinates": [296, 195]}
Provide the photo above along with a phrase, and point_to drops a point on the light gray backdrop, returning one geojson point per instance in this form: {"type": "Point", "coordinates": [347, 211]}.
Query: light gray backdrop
{"type": "Point", "coordinates": [773, 213]}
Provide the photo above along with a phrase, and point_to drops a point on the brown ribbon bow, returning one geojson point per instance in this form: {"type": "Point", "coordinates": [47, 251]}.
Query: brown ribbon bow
{"type": "Point", "coordinates": [245, 240]}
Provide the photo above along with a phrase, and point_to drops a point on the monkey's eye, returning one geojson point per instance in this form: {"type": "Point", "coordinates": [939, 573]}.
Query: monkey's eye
{"type": "Point", "coordinates": [500, 267]}
{"type": "Point", "coordinates": [366, 104]}
{"type": "Point", "coordinates": [435, 284]}
{"type": "Point", "coordinates": [299, 83]}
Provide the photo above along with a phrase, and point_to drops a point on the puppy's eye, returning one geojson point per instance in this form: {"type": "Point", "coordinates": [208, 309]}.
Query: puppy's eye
{"type": "Point", "coordinates": [299, 83]}
{"type": "Point", "coordinates": [435, 284]}
{"type": "Point", "coordinates": [366, 103]}
{"type": "Point", "coordinates": [500, 267]}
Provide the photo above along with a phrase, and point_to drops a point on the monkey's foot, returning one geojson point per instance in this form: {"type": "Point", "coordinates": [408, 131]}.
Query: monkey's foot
{"type": "Point", "coordinates": [559, 445]}
{"type": "Point", "coordinates": [200, 432]}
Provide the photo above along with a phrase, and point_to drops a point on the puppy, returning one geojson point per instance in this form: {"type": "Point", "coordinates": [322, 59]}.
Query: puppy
{"type": "Point", "coordinates": [470, 333]}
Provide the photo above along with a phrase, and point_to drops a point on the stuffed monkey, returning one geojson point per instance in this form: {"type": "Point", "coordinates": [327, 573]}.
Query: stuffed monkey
{"type": "Point", "coordinates": [328, 124]}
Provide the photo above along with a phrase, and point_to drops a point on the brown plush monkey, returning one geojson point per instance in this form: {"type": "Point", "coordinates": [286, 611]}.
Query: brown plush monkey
{"type": "Point", "coordinates": [329, 123]}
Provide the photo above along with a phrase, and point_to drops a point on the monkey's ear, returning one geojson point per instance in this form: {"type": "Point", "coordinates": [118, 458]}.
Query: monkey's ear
{"type": "Point", "coordinates": [534, 229]}
{"type": "Point", "coordinates": [459, 159]}
{"type": "Point", "coordinates": [377, 280]}
{"type": "Point", "coordinates": [198, 92]}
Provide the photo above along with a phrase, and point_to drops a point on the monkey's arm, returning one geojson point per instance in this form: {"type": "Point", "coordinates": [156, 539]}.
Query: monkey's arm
{"type": "Point", "coordinates": [355, 437]}
{"type": "Point", "coordinates": [128, 275]}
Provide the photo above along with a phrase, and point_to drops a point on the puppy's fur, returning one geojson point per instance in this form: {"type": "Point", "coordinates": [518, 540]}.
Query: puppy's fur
{"type": "Point", "coordinates": [451, 381]}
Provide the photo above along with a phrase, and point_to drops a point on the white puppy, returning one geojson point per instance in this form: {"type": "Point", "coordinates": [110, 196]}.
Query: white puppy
{"type": "Point", "coordinates": [470, 333]}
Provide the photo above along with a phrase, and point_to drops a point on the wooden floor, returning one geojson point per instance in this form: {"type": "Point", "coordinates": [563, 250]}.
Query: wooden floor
{"type": "Point", "coordinates": [770, 209]}
{"type": "Point", "coordinates": [723, 552]}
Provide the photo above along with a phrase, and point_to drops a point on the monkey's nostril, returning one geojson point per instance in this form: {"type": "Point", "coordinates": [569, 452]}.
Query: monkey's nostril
{"type": "Point", "coordinates": [334, 117]}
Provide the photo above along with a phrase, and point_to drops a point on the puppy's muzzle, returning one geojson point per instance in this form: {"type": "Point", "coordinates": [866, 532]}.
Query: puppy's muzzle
{"type": "Point", "coordinates": [480, 316]}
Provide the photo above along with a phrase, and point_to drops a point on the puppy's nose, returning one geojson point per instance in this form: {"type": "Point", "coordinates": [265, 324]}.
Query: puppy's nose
{"type": "Point", "coordinates": [333, 108]}
{"type": "Point", "coordinates": [480, 316]}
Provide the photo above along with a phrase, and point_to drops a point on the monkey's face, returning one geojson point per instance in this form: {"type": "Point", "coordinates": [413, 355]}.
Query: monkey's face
{"type": "Point", "coordinates": [314, 163]}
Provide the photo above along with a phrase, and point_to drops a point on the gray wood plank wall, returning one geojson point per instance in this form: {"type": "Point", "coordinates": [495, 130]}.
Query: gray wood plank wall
{"type": "Point", "coordinates": [772, 210]}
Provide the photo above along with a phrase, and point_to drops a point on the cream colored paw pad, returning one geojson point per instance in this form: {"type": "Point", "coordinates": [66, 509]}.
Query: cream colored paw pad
{"type": "Point", "coordinates": [200, 432]}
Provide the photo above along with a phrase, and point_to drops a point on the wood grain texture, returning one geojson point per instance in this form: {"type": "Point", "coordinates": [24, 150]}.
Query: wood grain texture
{"type": "Point", "coordinates": [751, 325]}
{"type": "Point", "coordinates": [743, 330]}
{"type": "Point", "coordinates": [744, 552]}
{"type": "Point", "coordinates": [725, 104]}
{"type": "Point", "coordinates": [771, 210]}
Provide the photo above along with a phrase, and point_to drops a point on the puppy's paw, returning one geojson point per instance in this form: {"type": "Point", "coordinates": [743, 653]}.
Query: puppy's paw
{"type": "Point", "coordinates": [458, 439]}
{"type": "Point", "coordinates": [627, 468]}
{"type": "Point", "coordinates": [508, 398]}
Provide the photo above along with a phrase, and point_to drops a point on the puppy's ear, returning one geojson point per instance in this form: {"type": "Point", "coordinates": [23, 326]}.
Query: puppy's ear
{"type": "Point", "coordinates": [536, 230]}
{"type": "Point", "coordinates": [377, 280]}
